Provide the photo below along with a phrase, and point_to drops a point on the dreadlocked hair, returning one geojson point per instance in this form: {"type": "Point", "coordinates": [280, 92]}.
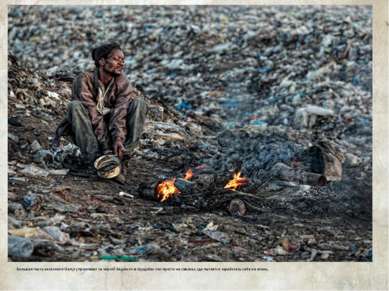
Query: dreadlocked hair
{"type": "Point", "coordinates": [103, 51]}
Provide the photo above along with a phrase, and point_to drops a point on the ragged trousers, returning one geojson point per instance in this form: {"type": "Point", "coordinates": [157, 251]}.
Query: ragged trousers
{"type": "Point", "coordinates": [83, 135]}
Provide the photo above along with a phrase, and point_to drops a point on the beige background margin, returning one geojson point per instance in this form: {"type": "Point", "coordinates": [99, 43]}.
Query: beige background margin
{"type": "Point", "coordinates": [291, 276]}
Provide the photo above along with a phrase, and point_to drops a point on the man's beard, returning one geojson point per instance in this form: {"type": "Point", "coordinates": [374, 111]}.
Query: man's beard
{"type": "Point", "coordinates": [113, 72]}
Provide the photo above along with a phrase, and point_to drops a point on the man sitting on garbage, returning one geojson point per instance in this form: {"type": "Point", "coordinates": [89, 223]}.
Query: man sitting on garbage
{"type": "Point", "coordinates": [106, 114]}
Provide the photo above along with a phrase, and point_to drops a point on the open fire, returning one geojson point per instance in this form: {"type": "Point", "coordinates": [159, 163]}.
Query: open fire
{"type": "Point", "coordinates": [188, 175]}
{"type": "Point", "coordinates": [166, 189]}
{"type": "Point", "coordinates": [236, 182]}
{"type": "Point", "coordinates": [171, 188]}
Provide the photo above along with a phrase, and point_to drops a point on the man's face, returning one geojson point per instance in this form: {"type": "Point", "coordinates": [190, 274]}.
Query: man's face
{"type": "Point", "coordinates": [114, 63]}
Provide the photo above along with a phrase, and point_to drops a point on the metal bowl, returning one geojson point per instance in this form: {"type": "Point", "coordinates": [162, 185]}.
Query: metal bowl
{"type": "Point", "coordinates": [108, 166]}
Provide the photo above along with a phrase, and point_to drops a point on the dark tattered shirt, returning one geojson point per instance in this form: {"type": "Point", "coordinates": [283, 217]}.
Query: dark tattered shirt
{"type": "Point", "coordinates": [117, 98]}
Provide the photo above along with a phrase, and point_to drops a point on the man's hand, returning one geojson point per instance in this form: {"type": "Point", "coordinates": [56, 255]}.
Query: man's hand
{"type": "Point", "coordinates": [119, 149]}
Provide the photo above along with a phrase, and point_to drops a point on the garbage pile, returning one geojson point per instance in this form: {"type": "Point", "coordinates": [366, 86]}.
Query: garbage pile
{"type": "Point", "coordinates": [278, 97]}
{"type": "Point", "coordinates": [206, 60]}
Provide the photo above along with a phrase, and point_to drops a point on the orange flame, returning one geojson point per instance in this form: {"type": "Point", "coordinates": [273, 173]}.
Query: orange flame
{"type": "Point", "coordinates": [188, 175]}
{"type": "Point", "coordinates": [236, 182]}
{"type": "Point", "coordinates": [166, 190]}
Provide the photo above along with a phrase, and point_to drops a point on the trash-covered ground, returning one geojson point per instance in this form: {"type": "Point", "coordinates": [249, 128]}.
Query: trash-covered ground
{"type": "Point", "coordinates": [281, 94]}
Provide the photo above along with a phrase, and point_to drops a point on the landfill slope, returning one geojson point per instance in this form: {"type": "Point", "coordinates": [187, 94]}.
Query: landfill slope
{"type": "Point", "coordinates": [266, 90]}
